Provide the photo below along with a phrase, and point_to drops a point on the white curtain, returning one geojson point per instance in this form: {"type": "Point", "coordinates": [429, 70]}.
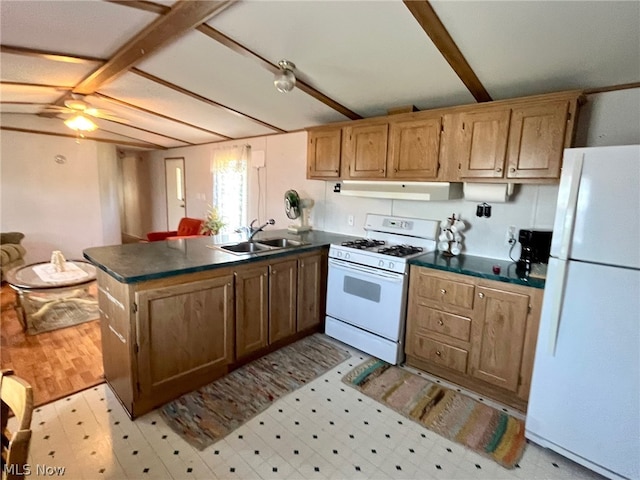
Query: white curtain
{"type": "Point", "coordinates": [229, 168]}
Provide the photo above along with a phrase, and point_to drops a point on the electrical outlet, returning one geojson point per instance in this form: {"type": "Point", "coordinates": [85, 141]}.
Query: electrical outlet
{"type": "Point", "coordinates": [510, 237]}
{"type": "Point", "coordinates": [350, 220]}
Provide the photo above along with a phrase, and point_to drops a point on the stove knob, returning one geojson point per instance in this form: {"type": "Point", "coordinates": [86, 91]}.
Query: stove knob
{"type": "Point", "coordinates": [381, 263]}
{"type": "Point", "coordinates": [339, 254]}
{"type": "Point", "coordinates": [391, 265]}
{"type": "Point", "coordinates": [347, 256]}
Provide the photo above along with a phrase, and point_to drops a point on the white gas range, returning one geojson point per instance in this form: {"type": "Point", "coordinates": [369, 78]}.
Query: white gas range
{"type": "Point", "coordinates": [367, 284]}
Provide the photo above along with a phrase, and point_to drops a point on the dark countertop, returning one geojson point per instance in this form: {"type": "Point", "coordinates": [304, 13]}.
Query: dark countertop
{"type": "Point", "coordinates": [137, 262]}
{"type": "Point", "coordinates": [479, 267]}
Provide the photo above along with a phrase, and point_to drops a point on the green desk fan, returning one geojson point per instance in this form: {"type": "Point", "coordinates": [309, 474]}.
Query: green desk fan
{"type": "Point", "coordinates": [296, 208]}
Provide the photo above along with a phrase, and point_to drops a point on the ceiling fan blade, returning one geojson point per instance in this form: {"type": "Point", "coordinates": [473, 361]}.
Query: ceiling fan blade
{"type": "Point", "coordinates": [105, 114]}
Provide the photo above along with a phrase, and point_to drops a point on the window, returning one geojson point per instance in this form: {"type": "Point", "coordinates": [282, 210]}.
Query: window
{"type": "Point", "coordinates": [229, 167]}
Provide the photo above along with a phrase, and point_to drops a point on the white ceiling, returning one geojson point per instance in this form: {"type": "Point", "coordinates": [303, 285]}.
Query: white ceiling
{"type": "Point", "coordinates": [354, 59]}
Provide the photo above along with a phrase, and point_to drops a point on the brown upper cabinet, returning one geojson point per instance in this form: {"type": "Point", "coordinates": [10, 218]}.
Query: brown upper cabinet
{"type": "Point", "coordinates": [323, 153]}
{"type": "Point", "coordinates": [518, 140]}
{"type": "Point", "coordinates": [537, 137]}
{"type": "Point", "coordinates": [365, 150]}
{"type": "Point", "coordinates": [414, 148]}
{"type": "Point", "coordinates": [483, 148]}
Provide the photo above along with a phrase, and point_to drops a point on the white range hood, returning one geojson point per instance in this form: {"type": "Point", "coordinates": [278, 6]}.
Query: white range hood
{"type": "Point", "coordinates": [425, 191]}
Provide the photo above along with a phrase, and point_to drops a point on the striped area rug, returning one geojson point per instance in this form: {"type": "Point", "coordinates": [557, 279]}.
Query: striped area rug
{"type": "Point", "coordinates": [457, 417]}
{"type": "Point", "coordinates": [210, 413]}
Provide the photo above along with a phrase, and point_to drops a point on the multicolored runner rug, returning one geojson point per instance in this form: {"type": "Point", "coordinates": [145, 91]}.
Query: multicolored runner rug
{"type": "Point", "coordinates": [207, 415]}
{"type": "Point", "coordinates": [457, 417]}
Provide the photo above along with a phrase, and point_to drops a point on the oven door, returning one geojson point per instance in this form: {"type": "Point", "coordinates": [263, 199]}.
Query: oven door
{"type": "Point", "coordinates": [368, 298]}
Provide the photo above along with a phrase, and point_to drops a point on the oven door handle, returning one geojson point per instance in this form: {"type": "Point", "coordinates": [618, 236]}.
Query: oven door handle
{"type": "Point", "coordinates": [368, 271]}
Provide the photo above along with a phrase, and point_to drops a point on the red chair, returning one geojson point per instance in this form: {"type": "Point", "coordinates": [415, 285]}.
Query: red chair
{"type": "Point", "coordinates": [188, 227]}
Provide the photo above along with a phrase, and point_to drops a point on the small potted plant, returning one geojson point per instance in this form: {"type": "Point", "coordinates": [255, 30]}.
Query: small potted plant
{"type": "Point", "coordinates": [213, 223]}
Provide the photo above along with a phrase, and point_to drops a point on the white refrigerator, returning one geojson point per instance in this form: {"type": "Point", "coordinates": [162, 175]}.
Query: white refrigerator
{"type": "Point", "coordinates": [585, 391]}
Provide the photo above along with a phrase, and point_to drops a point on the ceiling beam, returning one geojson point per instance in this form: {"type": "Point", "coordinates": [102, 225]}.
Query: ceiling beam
{"type": "Point", "coordinates": [244, 51]}
{"type": "Point", "coordinates": [86, 137]}
{"type": "Point", "coordinates": [182, 17]}
{"type": "Point", "coordinates": [38, 85]}
{"type": "Point", "coordinates": [156, 114]}
{"type": "Point", "coordinates": [266, 64]}
{"type": "Point", "coordinates": [434, 28]}
{"type": "Point", "coordinates": [56, 57]}
{"type": "Point", "coordinates": [200, 98]}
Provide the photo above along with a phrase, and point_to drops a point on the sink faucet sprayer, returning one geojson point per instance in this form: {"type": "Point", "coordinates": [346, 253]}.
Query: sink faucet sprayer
{"type": "Point", "coordinates": [271, 221]}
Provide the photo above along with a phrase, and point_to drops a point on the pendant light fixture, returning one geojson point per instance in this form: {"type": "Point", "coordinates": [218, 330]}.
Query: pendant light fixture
{"type": "Point", "coordinates": [285, 79]}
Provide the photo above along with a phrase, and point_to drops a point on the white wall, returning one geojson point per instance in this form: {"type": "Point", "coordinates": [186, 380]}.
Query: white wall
{"type": "Point", "coordinates": [607, 119]}
{"type": "Point", "coordinates": [68, 206]}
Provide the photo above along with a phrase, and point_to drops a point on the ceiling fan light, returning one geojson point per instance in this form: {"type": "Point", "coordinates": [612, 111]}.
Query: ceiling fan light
{"type": "Point", "coordinates": [80, 123]}
{"type": "Point", "coordinates": [285, 80]}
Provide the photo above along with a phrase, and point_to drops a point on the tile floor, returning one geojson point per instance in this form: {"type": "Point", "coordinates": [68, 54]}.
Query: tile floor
{"type": "Point", "coordinates": [323, 430]}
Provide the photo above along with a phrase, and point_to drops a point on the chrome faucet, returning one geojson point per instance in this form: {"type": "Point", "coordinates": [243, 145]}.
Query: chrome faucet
{"type": "Point", "coordinates": [254, 230]}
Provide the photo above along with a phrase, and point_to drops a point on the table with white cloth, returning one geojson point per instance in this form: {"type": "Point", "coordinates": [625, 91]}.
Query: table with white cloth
{"type": "Point", "coordinates": [41, 288]}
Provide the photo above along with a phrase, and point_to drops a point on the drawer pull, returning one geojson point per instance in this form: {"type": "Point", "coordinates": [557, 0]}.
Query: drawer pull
{"type": "Point", "coordinates": [481, 295]}
{"type": "Point", "coordinates": [438, 352]}
{"type": "Point", "coordinates": [440, 322]}
{"type": "Point", "coordinates": [443, 291]}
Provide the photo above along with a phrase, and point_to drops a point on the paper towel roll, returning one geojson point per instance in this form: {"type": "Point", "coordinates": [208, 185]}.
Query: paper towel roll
{"type": "Point", "coordinates": [487, 192]}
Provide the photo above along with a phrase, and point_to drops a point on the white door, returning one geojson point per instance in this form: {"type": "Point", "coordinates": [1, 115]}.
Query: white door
{"type": "Point", "coordinates": [176, 206]}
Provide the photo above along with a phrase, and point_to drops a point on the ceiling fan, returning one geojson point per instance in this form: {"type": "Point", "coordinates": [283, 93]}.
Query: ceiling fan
{"type": "Point", "coordinates": [77, 111]}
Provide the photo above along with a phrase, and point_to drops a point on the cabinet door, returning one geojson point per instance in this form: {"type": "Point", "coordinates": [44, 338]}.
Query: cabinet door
{"type": "Point", "coordinates": [537, 140]}
{"type": "Point", "coordinates": [185, 331]}
{"type": "Point", "coordinates": [365, 149]}
{"type": "Point", "coordinates": [323, 153]}
{"type": "Point", "coordinates": [498, 334]}
{"type": "Point", "coordinates": [312, 285]}
{"type": "Point", "coordinates": [282, 299]}
{"type": "Point", "coordinates": [252, 309]}
{"type": "Point", "coordinates": [484, 139]}
{"type": "Point", "coordinates": [414, 148]}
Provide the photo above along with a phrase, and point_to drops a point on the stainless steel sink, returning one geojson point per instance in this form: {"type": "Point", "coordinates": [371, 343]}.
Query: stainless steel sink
{"type": "Point", "coordinates": [246, 247]}
{"type": "Point", "coordinates": [260, 246]}
{"type": "Point", "coordinates": [280, 242]}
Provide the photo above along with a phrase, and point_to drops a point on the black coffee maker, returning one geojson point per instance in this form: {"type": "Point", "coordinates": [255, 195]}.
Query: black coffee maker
{"type": "Point", "coordinates": [536, 246]}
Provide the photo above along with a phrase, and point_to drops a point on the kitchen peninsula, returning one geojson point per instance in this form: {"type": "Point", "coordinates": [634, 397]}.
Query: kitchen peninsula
{"type": "Point", "coordinates": [178, 314]}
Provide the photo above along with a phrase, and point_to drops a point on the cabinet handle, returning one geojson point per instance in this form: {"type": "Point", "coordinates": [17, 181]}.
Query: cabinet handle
{"type": "Point", "coordinates": [440, 322]}
{"type": "Point", "coordinates": [443, 291]}
{"type": "Point", "coordinates": [336, 171]}
{"type": "Point", "coordinates": [438, 352]}
{"type": "Point", "coordinates": [481, 295]}
{"type": "Point", "coordinates": [381, 171]}
{"type": "Point", "coordinates": [512, 169]}
{"type": "Point", "coordinates": [499, 169]}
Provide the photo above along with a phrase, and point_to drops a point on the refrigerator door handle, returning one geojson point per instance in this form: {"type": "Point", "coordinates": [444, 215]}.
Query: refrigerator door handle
{"type": "Point", "coordinates": [567, 205]}
{"type": "Point", "coordinates": [555, 299]}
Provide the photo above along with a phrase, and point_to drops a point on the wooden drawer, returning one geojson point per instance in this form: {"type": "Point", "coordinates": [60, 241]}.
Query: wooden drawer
{"type": "Point", "coordinates": [429, 319]}
{"type": "Point", "coordinates": [438, 353]}
{"type": "Point", "coordinates": [446, 292]}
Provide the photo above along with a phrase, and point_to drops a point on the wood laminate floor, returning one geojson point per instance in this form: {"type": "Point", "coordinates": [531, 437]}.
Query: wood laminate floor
{"type": "Point", "coordinates": [56, 363]}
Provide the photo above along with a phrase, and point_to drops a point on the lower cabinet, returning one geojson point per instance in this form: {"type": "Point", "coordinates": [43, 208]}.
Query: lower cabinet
{"type": "Point", "coordinates": [184, 331]}
{"type": "Point", "coordinates": [162, 338]}
{"type": "Point", "coordinates": [276, 299]}
{"type": "Point", "coordinates": [478, 333]}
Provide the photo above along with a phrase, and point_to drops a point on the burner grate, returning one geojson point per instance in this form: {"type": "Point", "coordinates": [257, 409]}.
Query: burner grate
{"type": "Point", "coordinates": [363, 243]}
{"type": "Point", "coordinates": [400, 250]}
